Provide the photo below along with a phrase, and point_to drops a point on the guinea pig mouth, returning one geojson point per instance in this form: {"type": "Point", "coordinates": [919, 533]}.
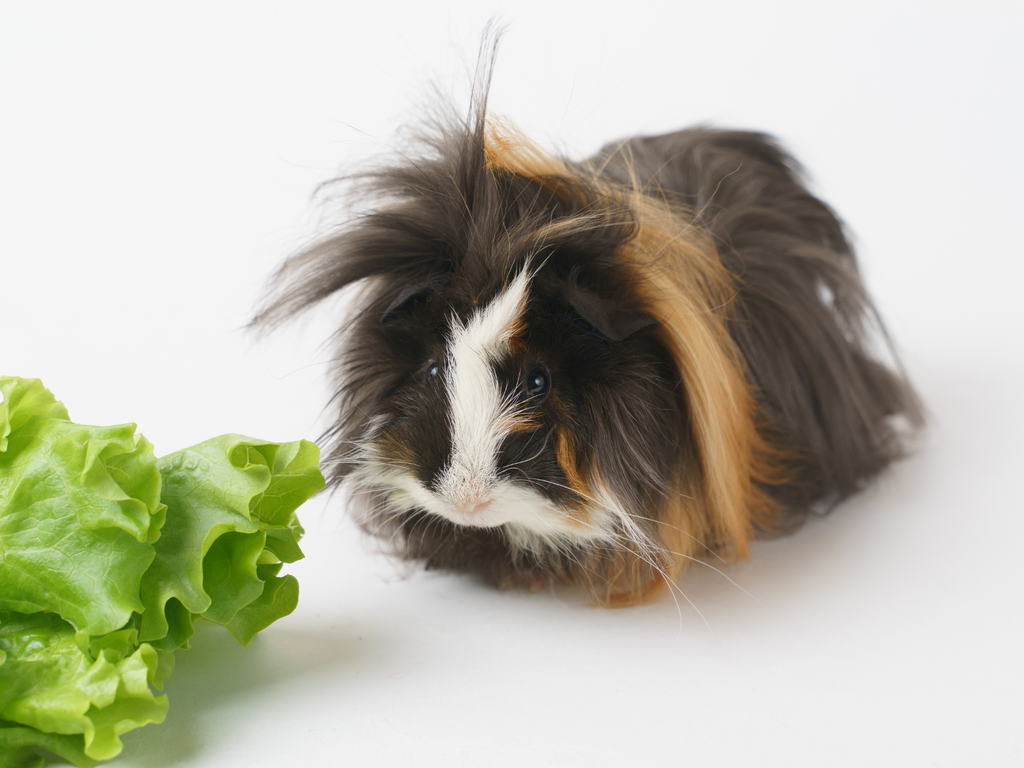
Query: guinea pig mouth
{"type": "Point", "coordinates": [476, 518]}
{"type": "Point", "coordinates": [528, 517]}
{"type": "Point", "coordinates": [476, 509]}
{"type": "Point", "coordinates": [518, 508]}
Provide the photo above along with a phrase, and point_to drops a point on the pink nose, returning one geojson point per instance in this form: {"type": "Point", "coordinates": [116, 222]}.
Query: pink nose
{"type": "Point", "coordinates": [479, 507]}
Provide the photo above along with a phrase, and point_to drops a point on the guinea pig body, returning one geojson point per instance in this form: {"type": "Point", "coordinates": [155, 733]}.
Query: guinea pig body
{"type": "Point", "coordinates": [596, 372]}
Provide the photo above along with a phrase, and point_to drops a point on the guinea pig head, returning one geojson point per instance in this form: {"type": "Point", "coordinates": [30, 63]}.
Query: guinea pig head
{"type": "Point", "coordinates": [509, 395]}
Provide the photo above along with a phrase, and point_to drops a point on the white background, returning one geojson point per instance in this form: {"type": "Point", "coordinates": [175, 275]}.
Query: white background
{"type": "Point", "coordinates": [156, 165]}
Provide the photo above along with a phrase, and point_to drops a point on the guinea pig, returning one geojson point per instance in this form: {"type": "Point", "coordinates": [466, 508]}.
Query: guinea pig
{"type": "Point", "coordinates": [596, 372]}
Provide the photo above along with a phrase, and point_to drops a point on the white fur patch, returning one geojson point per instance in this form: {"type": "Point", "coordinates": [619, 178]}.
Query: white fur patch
{"type": "Point", "coordinates": [478, 411]}
{"type": "Point", "coordinates": [531, 521]}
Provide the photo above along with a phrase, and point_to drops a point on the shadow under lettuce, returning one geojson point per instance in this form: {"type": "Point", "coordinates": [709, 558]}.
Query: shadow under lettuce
{"type": "Point", "coordinates": [216, 679]}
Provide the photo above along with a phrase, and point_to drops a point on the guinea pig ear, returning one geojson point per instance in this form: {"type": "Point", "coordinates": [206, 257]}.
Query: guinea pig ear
{"type": "Point", "coordinates": [613, 318]}
{"type": "Point", "coordinates": [409, 295]}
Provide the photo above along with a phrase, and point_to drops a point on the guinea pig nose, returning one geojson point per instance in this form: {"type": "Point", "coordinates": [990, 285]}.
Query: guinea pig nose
{"type": "Point", "coordinates": [473, 505]}
{"type": "Point", "coordinates": [479, 507]}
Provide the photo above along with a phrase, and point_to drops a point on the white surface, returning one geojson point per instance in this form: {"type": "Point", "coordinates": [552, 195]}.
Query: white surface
{"type": "Point", "coordinates": [155, 166]}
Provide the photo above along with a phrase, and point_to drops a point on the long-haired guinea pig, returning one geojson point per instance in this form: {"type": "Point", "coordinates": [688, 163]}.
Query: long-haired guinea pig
{"type": "Point", "coordinates": [596, 372]}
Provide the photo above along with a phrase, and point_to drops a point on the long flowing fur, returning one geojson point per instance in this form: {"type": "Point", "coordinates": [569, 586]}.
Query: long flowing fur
{"type": "Point", "coordinates": [736, 389]}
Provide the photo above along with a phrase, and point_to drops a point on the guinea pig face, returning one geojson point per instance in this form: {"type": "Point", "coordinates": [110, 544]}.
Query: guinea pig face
{"type": "Point", "coordinates": [503, 400]}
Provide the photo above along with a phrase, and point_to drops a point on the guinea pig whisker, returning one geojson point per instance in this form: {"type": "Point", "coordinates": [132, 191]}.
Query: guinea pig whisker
{"type": "Point", "coordinates": [360, 458]}
{"type": "Point", "coordinates": [684, 532]}
{"type": "Point", "coordinates": [679, 609]}
{"type": "Point", "coordinates": [421, 521]}
{"type": "Point", "coordinates": [673, 587]}
{"type": "Point", "coordinates": [538, 453]}
{"type": "Point", "coordinates": [438, 522]}
{"type": "Point", "coordinates": [384, 518]}
{"type": "Point", "coordinates": [716, 570]}
{"type": "Point", "coordinates": [293, 371]}
{"type": "Point", "coordinates": [646, 546]}
{"type": "Point", "coordinates": [557, 485]}
{"type": "Point", "coordinates": [576, 558]}
{"type": "Point", "coordinates": [363, 461]}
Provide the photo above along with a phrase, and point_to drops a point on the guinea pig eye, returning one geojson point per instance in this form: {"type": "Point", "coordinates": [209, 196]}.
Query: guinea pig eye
{"type": "Point", "coordinates": [432, 370]}
{"type": "Point", "coordinates": [537, 382]}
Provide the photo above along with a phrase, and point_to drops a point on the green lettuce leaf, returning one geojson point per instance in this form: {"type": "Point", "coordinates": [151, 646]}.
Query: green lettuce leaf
{"type": "Point", "coordinates": [23, 399]}
{"type": "Point", "coordinates": [224, 497]}
{"type": "Point", "coordinates": [49, 684]}
{"type": "Point", "coordinates": [109, 556]}
{"type": "Point", "coordinates": [279, 598]}
{"type": "Point", "coordinates": [18, 744]}
{"type": "Point", "coordinates": [79, 510]}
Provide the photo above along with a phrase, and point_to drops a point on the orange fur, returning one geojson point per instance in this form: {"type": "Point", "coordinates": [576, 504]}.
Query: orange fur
{"type": "Point", "coordinates": [520, 422]}
{"type": "Point", "coordinates": [565, 453]}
